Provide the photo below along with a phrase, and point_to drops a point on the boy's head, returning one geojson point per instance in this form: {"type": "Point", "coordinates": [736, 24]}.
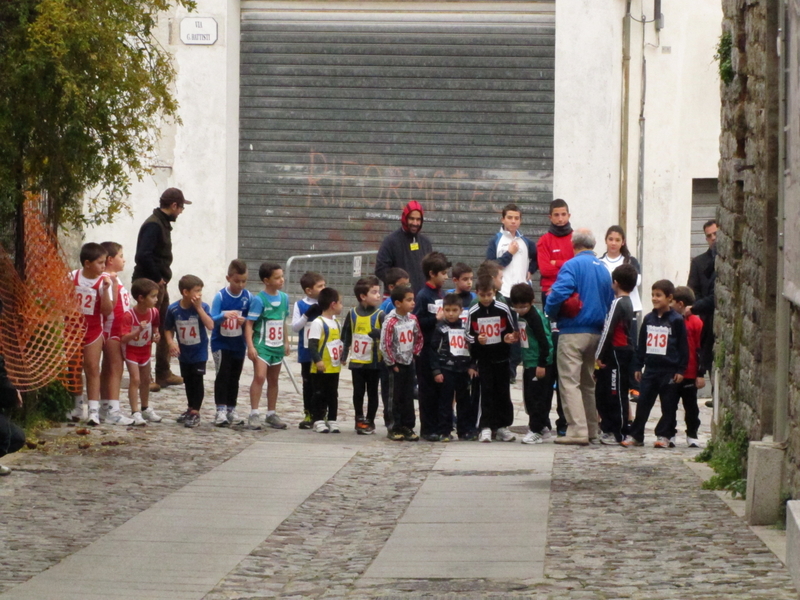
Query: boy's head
{"type": "Point", "coordinates": [329, 300]}
{"type": "Point", "coordinates": [662, 293]}
{"type": "Point", "coordinates": [115, 258]}
{"type": "Point", "coordinates": [367, 291]}
{"type": "Point", "coordinates": [190, 286]}
{"type": "Point", "coordinates": [559, 212]}
{"type": "Point", "coordinates": [462, 277]}
{"type": "Point", "coordinates": [493, 269]}
{"type": "Point", "coordinates": [403, 299]}
{"type": "Point", "coordinates": [271, 274]}
{"type": "Point", "coordinates": [452, 306]}
{"type": "Point", "coordinates": [395, 276]}
{"type": "Point", "coordinates": [93, 258]}
{"type": "Point", "coordinates": [312, 284]}
{"type": "Point", "coordinates": [435, 266]}
{"type": "Point", "coordinates": [682, 298]}
{"type": "Point", "coordinates": [512, 217]}
{"type": "Point", "coordinates": [624, 278]}
{"type": "Point", "coordinates": [521, 298]}
{"type": "Point", "coordinates": [237, 276]}
{"type": "Point", "coordinates": [485, 289]}
{"type": "Point", "coordinates": [144, 291]}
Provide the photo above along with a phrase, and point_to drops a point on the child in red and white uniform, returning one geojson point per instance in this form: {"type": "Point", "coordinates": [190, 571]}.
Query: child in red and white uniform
{"type": "Point", "coordinates": [138, 333]}
{"type": "Point", "coordinates": [93, 289]}
{"type": "Point", "coordinates": [113, 363]}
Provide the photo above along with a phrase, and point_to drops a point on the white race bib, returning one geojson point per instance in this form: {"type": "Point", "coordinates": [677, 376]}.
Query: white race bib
{"type": "Point", "coordinates": [272, 334]}
{"type": "Point", "coordinates": [464, 316]}
{"type": "Point", "coordinates": [144, 337]}
{"type": "Point", "coordinates": [405, 336]}
{"type": "Point", "coordinates": [458, 343]}
{"type": "Point", "coordinates": [231, 327]}
{"type": "Point", "coordinates": [335, 350]}
{"type": "Point", "coordinates": [87, 297]}
{"type": "Point", "coordinates": [490, 327]}
{"type": "Point", "coordinates": [523, 336]}
{"type": "Point", "coordinates": [188, 331]}
{"type": "Point", "coordinates": [657, 340]}
{"type": "Point", "coordinates": [434, 308]}
{"type": "Point", "coordinates": [362, 348]}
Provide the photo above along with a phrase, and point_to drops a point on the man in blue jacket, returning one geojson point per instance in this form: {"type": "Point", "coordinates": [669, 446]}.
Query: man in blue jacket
{"type": "Point", "coordinates": [580, 321]}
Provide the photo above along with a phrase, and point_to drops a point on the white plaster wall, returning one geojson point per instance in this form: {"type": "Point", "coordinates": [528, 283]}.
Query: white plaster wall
{"type": "Point", "coordinates": [202, 153]}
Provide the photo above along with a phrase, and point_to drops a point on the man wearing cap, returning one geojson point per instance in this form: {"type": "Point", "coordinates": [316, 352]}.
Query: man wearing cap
{"type": "Point", "coordinates": [153, 261]}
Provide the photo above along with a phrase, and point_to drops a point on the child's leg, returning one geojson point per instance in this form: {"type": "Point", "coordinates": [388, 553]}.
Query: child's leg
{"type": "Point", "coordinates": [111, 374]}
{"type": "Point", "coordinates": [319, 406]}
{"type": "Point", "coordinates": [91, 367]}
{"type": "Point", "coordinates": [540, 400]}
{"type": "Point", "coordinates": [259, 377]}
{"type": "Point", "coordinates": [624, 358]}
{"type": "Point", "coordinates": [464, 407]}
{"type": "Point", "coordinates": [273, 372]}
{"type": "Point", "coordinates": [604, 390]}
{"type": "Point", "coordinates": [688, 393]}
{"type": "Point", "coordinates": [134, 389]}
{"type": "Point", "coordinates": [359, 389]}
{"type": "Point", "coordinates": [144, 386]}
{"type": "Point", "coordinates": [308, 387]}
{"type": "Point", "coordinates": [234, 374]}
{"type": "Point", "coordinates": [428, 396]}
{"type": "Point", "coordinates": [409, 419]}
{"type": "Point", "coordinates": [221, 381]}
{"type": "Point", "coordinates": [670, 396]}
{"type": "Point", "coordinates": [447, 390]}
{"type": "Point", "coordinates": [386, 396]}
{"type": "Point", "coordinates": [192, 374]}
{"type": "Point", "coordinates": [648, 392]}
{"type": "Point", "coordinates": [372, 377]}
{"type": "Point", "coordinates": [332, 394]}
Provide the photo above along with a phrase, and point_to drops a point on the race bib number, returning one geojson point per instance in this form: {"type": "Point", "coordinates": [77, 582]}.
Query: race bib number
{"type": "Point", "coordinates": [458, 343]}
{"type": "Point", "coordinates": [405, 337]}
{"type": "Point", "coordinates": [273, 334]}
{"type": "Point", "coordinates": [657, 340]}
{"type": "Point", "coordinates": [231, 327]}
{"type": "Point", "coordinates": [464, 316]}
{"type": "Point", "coordinates": [523, 336]}
{"type": "Point", "coordinates": [87, 297]}
{"type": "Point", "coordinates": [434, 308]}
{"type": "Point", "coordinates": [335, 350]}
{"type": "Point", "coordinates": [362, 348]}
{"type": "Point", "coordinates": [125, 299]}
{"type": "Point", "coordinates": [144, 337]}
{"type": "Point", "coordinates": [188, 331]}
{"type": "Point", "coordinates": [490, 327]}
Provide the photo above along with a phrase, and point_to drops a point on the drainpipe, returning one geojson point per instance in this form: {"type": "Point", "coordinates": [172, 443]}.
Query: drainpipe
{"type": "Point", "coordinates": [640, 182]}
{"type": "Point", "coordinates": [624, 130]}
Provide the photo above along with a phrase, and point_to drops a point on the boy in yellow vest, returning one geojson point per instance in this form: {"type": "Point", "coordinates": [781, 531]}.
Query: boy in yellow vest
{"type": "Point", "coordinates": [325, 345]}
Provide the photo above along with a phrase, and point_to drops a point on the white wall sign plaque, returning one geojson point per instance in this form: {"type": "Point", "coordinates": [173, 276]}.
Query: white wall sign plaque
{"type": "Point", "coordinates": [198, 31]}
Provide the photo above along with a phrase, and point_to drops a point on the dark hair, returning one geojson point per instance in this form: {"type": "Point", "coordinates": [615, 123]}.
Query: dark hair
{"type": "Point", "coordinates": [624, 249]}
{"type": "Point", "coordinates": [626, 277]}
{"type": "Point", "coordinates": [393, 275]}
{"type": "Point", "coordinates": [452, 300]}
{"type": "Point", "coordinates": [237, 267]}
{"type": "Point", "coordinates": [112, 248]}
{"type": "Point", "coordinates": [684, 294]}
{"type": "Point", "coordinates": [399, 293]}
{"type": "Point", "coordinates": [266, 270]}
{"type": "Point", "coordinates": [309, 280]}
{"type": "Point", "coordinates": [434, 262]}
{"type": "Point", "coordinates": [708, 224]}
{"type": "Point", "coordinates": [490, 268]}
{"type": "Point", "coordinates": [327, 296]}
{"type": "Point", "coordinates": [521, 293]}
{"type": "Point", "coordinates": [142, 287]}
{"type": "Point", "coordinates": [364, 285]}
{"type": "Point", "coordinates": [558, 203]}
{"type": "Point", "coordinates": [189, 282]}
{"type": "Point", "coordinates": [91, 252]}
{"type": "Point", "coordinates": [666, 286]}
{"type": "Point", "coordinates": [511, 207]}
{"type": "Point", "coordinates": [460, 269]}
{"type": "Point", "coordinates": [485, 283]}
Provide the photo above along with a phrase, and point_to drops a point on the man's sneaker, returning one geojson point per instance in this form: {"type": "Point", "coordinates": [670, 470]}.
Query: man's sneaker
{"type": "Point", "coordinates": [221, 420]}
{"type": "Point", "coordinates": [395, 435]}
{"type": "Point", "coordinates": [595, 441]}
{"type": "Point", "coordinates": [4, 471]}
{"type": "Point", "coordinates": [533, 438]}
{"type": "Point", "coordinates": [334, 427]}
{"type": "Point", "coordinates": [154, 387]}
{"type": "Point", "coordinates": [150, 415]}
{"type": "Point", "coordinates": [608, 439]}
{"type": "Point", "coordinates": [662, 442]}
{"type": "Point", "coordinates": [254, 422]}
{"type": "Point", "coordinates": [182, 417]}
{"type": "Point", "coordinates": [409, 435]}
{"type": "Point", "coordinates": [486, 436]}
{"type": "Point", "coordinates": [115, 417]}
{"type": "Point", "coordinates": [234, 418]}
{"type": "Point", "coordinates": [192, 420]}
{"type": "Point", "coordinates": [693, 443]}
{"type": "Point", "coordinates": [546, 433]}
{"type": "Point", "coordinates": [630, 442]}
{"type": "Point", "coordinates": [504, 435]}
{"type": "Point", "coordinates": [139, 421]}
{"type": "Point", "coordinates": [672, 442]}
{"type": "Point", "coordinates": [306, 423]}
{"type": "Point", "coordinates": [321, 427]}
{"type": "Point", "coordinates": [275, 422]}
{"type": "Point", "coordinates": [94, 418]}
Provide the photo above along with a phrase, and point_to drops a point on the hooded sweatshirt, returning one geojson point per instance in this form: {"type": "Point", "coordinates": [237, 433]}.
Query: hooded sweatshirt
{"type": "Point", "coordinates": [555, 245]}
{"type": "Point", "coordinates": [405, 250]}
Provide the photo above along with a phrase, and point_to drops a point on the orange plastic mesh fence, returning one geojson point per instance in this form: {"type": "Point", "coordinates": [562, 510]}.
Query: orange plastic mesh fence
{"type": "Point", "coordinates": [41, 328]}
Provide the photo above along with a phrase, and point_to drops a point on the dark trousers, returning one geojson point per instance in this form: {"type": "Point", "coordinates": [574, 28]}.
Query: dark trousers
{"type": "Point", "coordinates": [401, 390]}
{"type": "Point", "coordinates": [653, 385]}
{"type": "Point", "coordinates": [192, 374]}
{"type": "Point", "coordinates": [428, 391]}
{"type": "Point", "coordinates": [326, 396]}
{"type": "Point", "coordinates": [496, 408]}
{"type": "Point", "coordinates": [226, 385]}
{"type": "Point", "coordinates": [12, 438]}
{"type": "Point", "coordinates": [308, 387]}
{"type": "Point", "coordinates": [687, 390]}
{"type": "Point", "coordinates": [561, 420]}
{"type": "Point", "coordinates": [514, 359]}
{"type": "Point", "coordinates": [456, 385]}
{"type": "Point", "coordinates": [611, 393]}
{"type": "Point", "coordinates": [162, 348]}
{"type": "Point", "coordinates": [386, 397]}
{"type": "Point", "coordinates": [632, 383]}
{"type": "Point", "coordinates": [538, 396]}
{"type": "Point", "coordinates": [365, 380]}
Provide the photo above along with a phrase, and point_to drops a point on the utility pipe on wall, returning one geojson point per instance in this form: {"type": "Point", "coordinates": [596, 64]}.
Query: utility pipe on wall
{"type": "Point", "coordinates": [625, 129]}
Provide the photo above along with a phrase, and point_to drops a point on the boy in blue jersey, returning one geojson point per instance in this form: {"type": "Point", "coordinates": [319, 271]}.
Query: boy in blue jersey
{"type": "Point", "coordinates": [228, 310]}
{"type": "Point", "coordinates": [305, 311]}
{"type": "Point", "coordinates": [462, 279]}
{"type": "Point", "coordinates": [185, 328]}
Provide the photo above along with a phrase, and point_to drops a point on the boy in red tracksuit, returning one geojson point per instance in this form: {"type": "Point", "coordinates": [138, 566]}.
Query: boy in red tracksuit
{"type": "Point", "coordinates": [554, 248]}
{"type": "Point", "coordinates": [693, 379]}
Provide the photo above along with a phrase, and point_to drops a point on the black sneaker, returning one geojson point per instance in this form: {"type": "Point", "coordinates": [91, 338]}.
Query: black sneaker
{"type": "Point", "coordinates": [192, 420]}
{"type": "Point", "coordinates": [370, 428]}
{"type": "Point", "coordinates": [395, 435]}
{"type": "Point", "coordinates": [306, 423]}
{"type": "Point", "coordinates": [430, 437]}
{"type": "Point", "coordinates": [182, 417]}
{"type": "Point", "coordinates": [409, 435]}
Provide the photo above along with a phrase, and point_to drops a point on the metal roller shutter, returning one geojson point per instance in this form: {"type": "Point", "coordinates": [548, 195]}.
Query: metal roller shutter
{"type": "Point", "coordinates": [347, 112]}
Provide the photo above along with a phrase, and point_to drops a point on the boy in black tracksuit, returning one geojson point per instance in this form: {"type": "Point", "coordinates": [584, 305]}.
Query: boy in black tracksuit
{"type": "Point", "coordinates": [614, 358]}
{"type": "Point", "coordinates": [450, 362]}
{"type": "Point", "coordinates": [490, 332]}
{"type": "Point", "coordinates": [428, 310]}
{"type": "Point", "coordinates": [663, 351]}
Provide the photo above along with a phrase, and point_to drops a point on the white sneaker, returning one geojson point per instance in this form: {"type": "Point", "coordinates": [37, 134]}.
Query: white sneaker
{"type": "Point", "coordinates": [104, 413]}
{"type": "Point", "coordinates": [486, 435]}
{"type": "Point", "coordinates": [533, 438]}
{"type": "Point", "coordinates": [333, 427]}
{"type": "Point", "coordinates": [221, 420]}
{"type": "Point", "coordinates": [234, 418]}
{"type": "Point", "coordinates": [672, 442]}
{"type": "Point", "coordinates": [608, 439]}
{"type": "Point", "coordinates": [693, 443]}
{"type": "Point", "coordinates": [115, 417]}
{"type": "Point", "coordinates": [504, 435]}
{"type": "Point", "coordinates": [94, 418]}
{"type": "Point", "coordinates": [138, 420]}
{"type": "Point", "coordinates": [76, 414]}
{"type": "Point", "coordinates": [150, 415]}
{"type": "Point", "coordinates": [546, 433]}
{"type": "Point", "coordinates": [321, 427]}
{"type": "Point", "coordinates": [254, 422]}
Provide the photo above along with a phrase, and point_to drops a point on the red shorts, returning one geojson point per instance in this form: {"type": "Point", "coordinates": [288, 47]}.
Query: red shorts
{"type": "Point", "coordinates": [138, 355]}
{"type": "Point", "coordinates": [94, 329]}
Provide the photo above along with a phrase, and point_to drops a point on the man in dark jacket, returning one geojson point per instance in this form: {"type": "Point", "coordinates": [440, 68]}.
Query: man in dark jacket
{"type": "Point", "coordinates": [405, 247]}
{"type": "Point", "coordinates": [702, 277]}
{"type": "Point", "coordinates": [154, 261]}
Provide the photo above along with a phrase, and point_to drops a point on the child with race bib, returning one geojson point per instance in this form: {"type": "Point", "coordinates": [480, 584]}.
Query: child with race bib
{"type": "Point", "coordinates": [267, 344]}
{"type": "Point", "coordinates": [325, 345]}
{"type": "Point", "coordinates": [228, 310]}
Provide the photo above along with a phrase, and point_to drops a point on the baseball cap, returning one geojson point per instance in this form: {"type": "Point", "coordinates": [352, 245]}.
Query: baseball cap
{"type": "Point", "coordinates": [172, 196]}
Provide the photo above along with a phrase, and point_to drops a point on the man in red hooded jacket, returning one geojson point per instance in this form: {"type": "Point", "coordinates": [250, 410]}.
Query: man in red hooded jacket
{"type": "Point", "coordinates": [405, 247]}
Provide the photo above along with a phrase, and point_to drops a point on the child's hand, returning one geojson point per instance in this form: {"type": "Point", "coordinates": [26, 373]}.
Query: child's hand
{"type": "Point", "coordinates": [482, 339]}
{"type": "Point", "coordinates": [197, 301]}
{"type": "Point", "coordinates": [599, 365]}
{"type": "Point", "coordinates": [156, 337]}
{"type": "Point", "coordinates": [174, 349]}
{"type": "Point", "coordinates": [439, 378]}
{"type": "Point", "coordinates": [231, 314]}
{"type": "Point", "coordinates": [396, 369]}
{"type": "Point", "coordinates": [513, 247]}
{"type": "Point", "coordinates": [511, 338]}
{"type": "Point", "coordinates": [287, 350]}
{"type": "Point", "coordinates": [638, 375]}
{"type": "Point", "coordinates": [321, 367]}
{"type": "Point", "coordinates": [252, 353]}
{"type": "Point", "coordinates": [241, 319]}
{"type": "Point", "coordinates": [540, 372]}
{"type": "Point", "coordinates": [678, 378]}
{"type": "Point", "coordinates": [473, 373]}
{"type": "Point", "coordinates": [440, 314]}
{"type": "Point", "coordinates": [106, 283]}
{"type": "Point", "coordinates": [700, 383]}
